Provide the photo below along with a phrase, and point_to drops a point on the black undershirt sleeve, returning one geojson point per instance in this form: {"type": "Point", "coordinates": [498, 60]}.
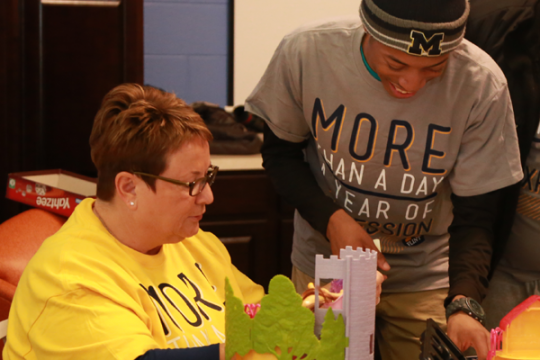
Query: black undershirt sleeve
{"type": "Point", "coordinates": [210, 352]}
{"type": "Point", "coordinates": [293, 180]}
{"type": "Point", "coordinates": [471, 240]}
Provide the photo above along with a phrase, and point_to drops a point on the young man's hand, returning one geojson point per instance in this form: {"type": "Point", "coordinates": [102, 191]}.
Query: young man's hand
{"type": "Point", "coordinates": [344, 231]}
{"type": "Point", "coordinates": [467, 332]}
{"type": "Point", "coordinates": [380, 279]}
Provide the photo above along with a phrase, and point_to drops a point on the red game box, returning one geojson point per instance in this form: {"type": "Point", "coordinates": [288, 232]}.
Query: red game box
{"type": "Point", "coordinates": [57, 191]}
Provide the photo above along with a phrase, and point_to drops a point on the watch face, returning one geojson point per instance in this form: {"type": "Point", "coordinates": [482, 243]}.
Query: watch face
{"type": "Point", "coordinates": [475, 307]}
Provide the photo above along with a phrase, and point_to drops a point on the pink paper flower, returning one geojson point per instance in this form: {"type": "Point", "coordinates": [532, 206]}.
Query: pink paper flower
{"type": "Point", "coordinates": [251, 309]}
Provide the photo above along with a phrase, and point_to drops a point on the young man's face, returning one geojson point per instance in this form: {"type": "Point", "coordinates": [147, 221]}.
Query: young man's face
{"type": "Point", "coordinates": [402, 75]}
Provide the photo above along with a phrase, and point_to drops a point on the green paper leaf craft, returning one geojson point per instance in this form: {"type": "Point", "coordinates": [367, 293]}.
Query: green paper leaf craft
{"type": "Point", "coordinates": [333, 340]}
{"type": "Point", "coordinates": [237, 325]}
{"type": "Point", "coordinates": [282, 327]}
{"type": "Point", "coordinates": [283, 322]}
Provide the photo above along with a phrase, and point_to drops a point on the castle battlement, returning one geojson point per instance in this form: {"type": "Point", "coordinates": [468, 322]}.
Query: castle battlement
{"type": "Point", "coordinates": [358, 270]}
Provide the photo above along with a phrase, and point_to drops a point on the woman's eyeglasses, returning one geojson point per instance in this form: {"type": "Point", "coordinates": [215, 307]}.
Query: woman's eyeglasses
{"type": "Point", "coordinates": [195, 187]}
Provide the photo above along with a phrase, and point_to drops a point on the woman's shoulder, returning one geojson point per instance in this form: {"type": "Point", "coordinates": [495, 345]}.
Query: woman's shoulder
{"type": "Point", "coordinates": [66, 257]}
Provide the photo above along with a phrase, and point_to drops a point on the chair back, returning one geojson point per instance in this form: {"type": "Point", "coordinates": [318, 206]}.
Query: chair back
{"type": "Point", "coordinates": [20, 238]}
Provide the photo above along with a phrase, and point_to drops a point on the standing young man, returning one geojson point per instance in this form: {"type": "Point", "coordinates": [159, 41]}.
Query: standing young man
{"type": "Point", "coordinates": [377, 128]}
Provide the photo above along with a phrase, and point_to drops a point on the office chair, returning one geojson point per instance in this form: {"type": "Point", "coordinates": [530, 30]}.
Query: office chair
{"type": "Point", "coordinates": [20, 238]}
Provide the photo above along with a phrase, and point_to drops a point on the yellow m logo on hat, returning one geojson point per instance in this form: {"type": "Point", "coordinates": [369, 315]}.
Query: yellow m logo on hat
{"type": "Point", "coordinates": [421, 46]}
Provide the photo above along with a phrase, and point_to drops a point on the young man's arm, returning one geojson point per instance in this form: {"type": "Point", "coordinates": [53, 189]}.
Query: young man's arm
{"type": "Point", "coordinates": [294, 181]}
{"type": "Point", "coordinates": [471, 238]}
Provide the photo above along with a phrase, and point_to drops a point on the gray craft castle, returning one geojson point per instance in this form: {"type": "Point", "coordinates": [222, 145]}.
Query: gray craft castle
{"type": "Point", "coordinates": [358, 270]}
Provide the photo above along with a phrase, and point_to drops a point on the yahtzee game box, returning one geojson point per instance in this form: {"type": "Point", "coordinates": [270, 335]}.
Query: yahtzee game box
{"type": "Point", "coordinates": [57, 191]}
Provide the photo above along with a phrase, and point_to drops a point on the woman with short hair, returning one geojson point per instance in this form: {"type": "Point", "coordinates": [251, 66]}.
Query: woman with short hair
{"type": "Point", "coordinates": [130, 275]}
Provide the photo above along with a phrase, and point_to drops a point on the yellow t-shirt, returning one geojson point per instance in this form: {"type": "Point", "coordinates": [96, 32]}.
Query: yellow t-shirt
{"type": "Point", "coordinates": [84, 295]}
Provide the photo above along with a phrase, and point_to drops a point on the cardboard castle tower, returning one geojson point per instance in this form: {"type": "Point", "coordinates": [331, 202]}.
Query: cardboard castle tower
{"type": "Point", "coordinates": [358, 270]}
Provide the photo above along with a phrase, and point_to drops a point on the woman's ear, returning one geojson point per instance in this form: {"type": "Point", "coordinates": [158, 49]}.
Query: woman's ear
{"type": "Point", "coordinates": [126, 187]}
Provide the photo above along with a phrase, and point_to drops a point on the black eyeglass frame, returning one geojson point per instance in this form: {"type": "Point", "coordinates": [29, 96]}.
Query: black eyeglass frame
{"type": "Point", "coordinates": [209, 179]}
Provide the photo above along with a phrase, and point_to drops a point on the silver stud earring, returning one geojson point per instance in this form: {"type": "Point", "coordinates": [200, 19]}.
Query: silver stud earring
{"type": "Point", "coordinates": [132, 203]}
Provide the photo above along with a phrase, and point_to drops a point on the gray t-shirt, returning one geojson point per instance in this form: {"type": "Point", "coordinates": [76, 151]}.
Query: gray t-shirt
{"type": "Point", "coordinates": [522, 253]}
{"type": "Point", "coordinates": [390, 163]}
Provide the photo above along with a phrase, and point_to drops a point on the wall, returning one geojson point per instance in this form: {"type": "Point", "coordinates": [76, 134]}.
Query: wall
{"type": "Point", "coordinates": [261, 24]}
{"type": "Point", "coordinates": [185, 48]}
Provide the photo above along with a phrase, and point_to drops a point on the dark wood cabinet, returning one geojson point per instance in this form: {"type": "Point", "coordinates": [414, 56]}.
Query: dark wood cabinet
{"type": "Point", "coordinates": [56, 64]}
{"type": "Point", "coordinates": [253, 222]}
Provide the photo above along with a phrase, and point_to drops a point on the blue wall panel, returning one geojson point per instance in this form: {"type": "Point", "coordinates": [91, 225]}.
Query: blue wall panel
{"type": "Point", "coordinates": [186, 48]}
{"type": "Point", "coordinates": [167, 72]}
{"type": "Point", "coordinates": [208, 78]}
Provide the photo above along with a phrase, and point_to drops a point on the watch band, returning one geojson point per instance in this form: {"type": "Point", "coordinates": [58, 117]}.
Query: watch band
{"type": "Point", "coordinates": [469, 306]}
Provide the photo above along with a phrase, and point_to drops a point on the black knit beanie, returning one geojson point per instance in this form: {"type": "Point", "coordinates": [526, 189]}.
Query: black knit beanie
{"type": "Point", "coordinates": [417, 27]}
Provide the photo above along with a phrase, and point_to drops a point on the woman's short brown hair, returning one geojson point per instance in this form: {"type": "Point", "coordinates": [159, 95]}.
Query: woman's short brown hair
{"type": "Point", "coordinates": [135, 129]}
